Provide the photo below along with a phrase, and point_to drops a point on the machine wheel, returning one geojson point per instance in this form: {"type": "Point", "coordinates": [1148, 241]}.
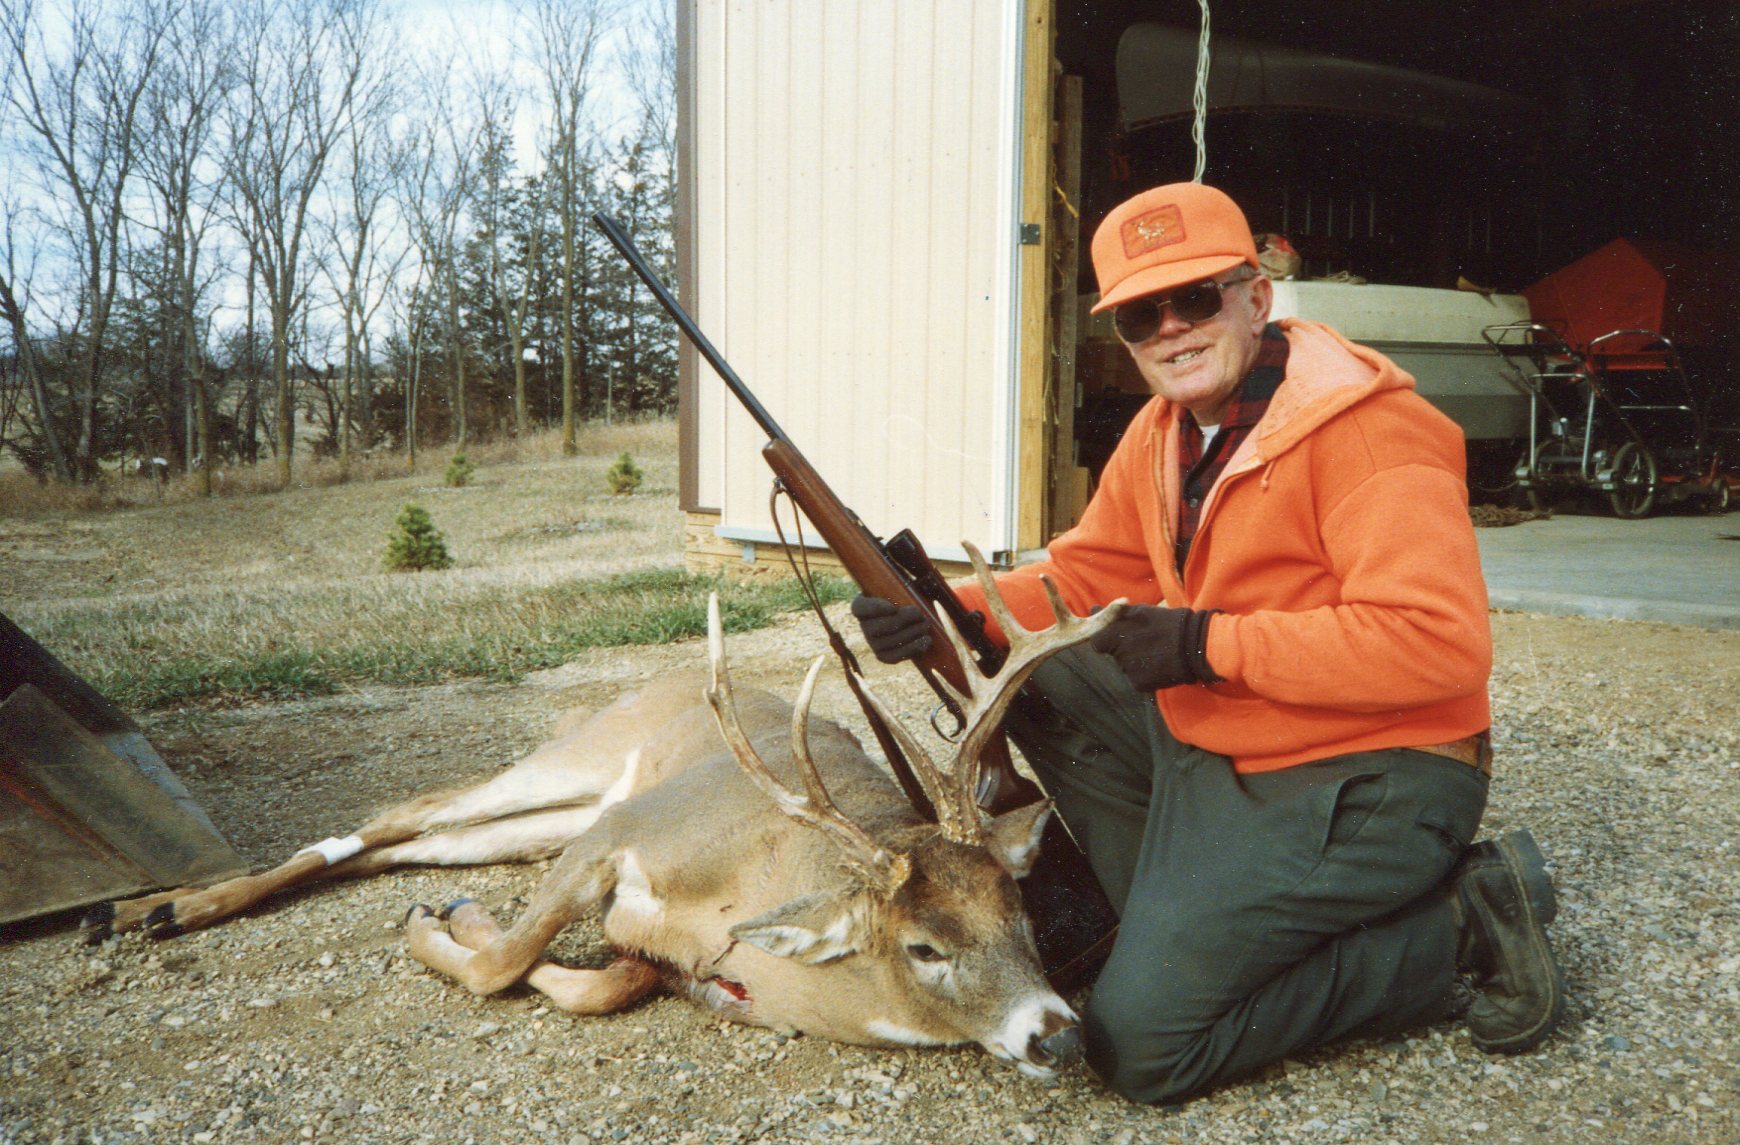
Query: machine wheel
{"type": "Point", "coordinates": [1534, 497]}
{"type": "Point", "coordinates": [1634, 477]}
{"type": "Point", "coordinates": [1492, 467]}
{"type": "Point", "coordinates": [1721, 497]}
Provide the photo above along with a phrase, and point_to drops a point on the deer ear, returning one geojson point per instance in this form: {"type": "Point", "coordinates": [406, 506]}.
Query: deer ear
{"type": "Point", "coordinates": [811, 929]}
{"type": "Point", "coordinates": [1013, 837]}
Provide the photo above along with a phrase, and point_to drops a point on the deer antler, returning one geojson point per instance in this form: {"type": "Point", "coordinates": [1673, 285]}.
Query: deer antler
{"type": "Point", "coordinates": [882, 870]}
{"type": "Point", "coordinates": [953, 793]}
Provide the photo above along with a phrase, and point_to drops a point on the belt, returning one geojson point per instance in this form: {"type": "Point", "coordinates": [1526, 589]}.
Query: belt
{"type": "Point", "coordinates": [1474, 750]}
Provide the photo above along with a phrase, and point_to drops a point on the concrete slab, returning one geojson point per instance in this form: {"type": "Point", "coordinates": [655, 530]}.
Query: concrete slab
{"type": "Point", "coordinates": [1671, 569]}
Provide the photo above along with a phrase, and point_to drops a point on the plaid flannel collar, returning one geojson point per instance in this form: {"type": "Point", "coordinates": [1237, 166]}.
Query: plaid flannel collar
{"type": "Point", "coordinates": [1198, 471]}
{"type": "Point", "coordinates": [1260, 384]}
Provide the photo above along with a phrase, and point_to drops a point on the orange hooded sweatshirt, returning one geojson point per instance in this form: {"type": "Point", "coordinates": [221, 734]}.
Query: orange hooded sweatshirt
{"type": "Point", "coordinates": [1337, 545]}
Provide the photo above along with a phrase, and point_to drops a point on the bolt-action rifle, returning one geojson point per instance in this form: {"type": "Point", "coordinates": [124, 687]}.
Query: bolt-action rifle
{"type": "Point", "coordinates": [1073, 921]}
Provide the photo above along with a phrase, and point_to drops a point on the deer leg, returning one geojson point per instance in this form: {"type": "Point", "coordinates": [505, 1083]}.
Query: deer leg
{"type": "Point", "coordinates": [169, 914]}
{"type": "Point", "coordinates": [521, 839]}
{"type": "Point", "coordinates": [578, 882]}
{"type": "Point", "coordinates": [573, 768]}
{"type": "Point", "coordinates": [390, 839]}
{"type": "Point", "coordinates": [575, 991]}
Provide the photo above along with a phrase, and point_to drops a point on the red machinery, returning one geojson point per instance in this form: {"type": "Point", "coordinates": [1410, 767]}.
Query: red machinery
{"type": "Point", "coordinates": [1634, 284]}
{"type": "Point", "coordinates": [1614, 411]}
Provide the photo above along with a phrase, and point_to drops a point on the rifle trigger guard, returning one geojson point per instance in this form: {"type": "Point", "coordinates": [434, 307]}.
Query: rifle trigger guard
{"type": "Point", "coordinates": [936, 715]}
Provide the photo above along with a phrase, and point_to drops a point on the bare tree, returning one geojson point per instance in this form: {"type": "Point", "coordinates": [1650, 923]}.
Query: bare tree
{"type": "Point", "coordinates": [413, 321]}
{"type": "Point", "coordinates": [648, 63]}
{"type": "Point", "coordinates": [494, 199]}
{"type": "Point", "coordinates": [374, 159]}
{"type": "Point", "coordinates": [179, 122]}
{"type": "Point", "coordinates": [77, 100]}
{"type": "Point", "coordinates": [641, 191]}
{"type": "Point", "coordinates": [25, 373]}
{"type": "Point", "coordinates": [304, 66]}
{"type": "Point", "coordinates": [565, 39]}
{"type": "Point", "coordinates": [434, 195]}
{"type": "Point", "coordinates": [12, 309]}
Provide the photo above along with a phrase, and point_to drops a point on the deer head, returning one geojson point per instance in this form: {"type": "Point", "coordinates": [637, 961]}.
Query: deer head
{"type": "Point", "coordinates": [930, 911]}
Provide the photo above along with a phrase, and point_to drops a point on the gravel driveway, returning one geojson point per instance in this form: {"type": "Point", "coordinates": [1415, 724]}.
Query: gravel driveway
{"type": "Point", "coordinates": [1618, 744]}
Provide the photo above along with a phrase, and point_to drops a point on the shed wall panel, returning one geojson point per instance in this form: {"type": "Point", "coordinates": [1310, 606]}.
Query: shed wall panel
{"type": "Point", "coordinates": [853, 229]}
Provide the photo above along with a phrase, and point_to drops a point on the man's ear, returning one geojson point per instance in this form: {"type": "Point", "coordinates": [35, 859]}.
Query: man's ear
{"type": "Point", "coordinates": [811, 929]}
{"type": "Point", "coordinates": [1013, 837]}
{"type": "Point", "coordinates": [1262, 301]}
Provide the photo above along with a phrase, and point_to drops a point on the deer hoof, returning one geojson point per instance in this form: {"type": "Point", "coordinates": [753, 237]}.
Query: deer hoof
{"type": "Point", "coordinates": [449, 910]}
{"type": "Point", "coordinates": [98, 923]}
{"type": "Point", "coordinates": [160, 923]}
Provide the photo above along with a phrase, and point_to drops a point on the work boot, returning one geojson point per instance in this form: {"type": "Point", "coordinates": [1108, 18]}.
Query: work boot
{"type": "Point", "coordinates": [1503, 902]}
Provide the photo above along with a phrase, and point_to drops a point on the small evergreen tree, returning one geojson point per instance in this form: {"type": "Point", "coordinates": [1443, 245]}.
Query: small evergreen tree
{"type": "Point", "coordinates": [416, 543]}
{"type": "Point", "coordinates": [460, 471]}
{"type": "Point", "coordinates": [625, 476]}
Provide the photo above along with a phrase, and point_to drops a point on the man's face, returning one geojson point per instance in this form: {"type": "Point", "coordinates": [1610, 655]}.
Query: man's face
{"type": "Point", "coordinates": [1199, 365]}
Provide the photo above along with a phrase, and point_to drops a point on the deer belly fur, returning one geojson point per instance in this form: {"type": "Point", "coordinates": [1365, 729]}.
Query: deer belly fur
{"type": "Point", "coordinates": [698, 959]}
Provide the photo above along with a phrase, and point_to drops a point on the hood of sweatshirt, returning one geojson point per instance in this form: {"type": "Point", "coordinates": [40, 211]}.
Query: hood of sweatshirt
{"type": "Point", "coordinates": [1326, 374]}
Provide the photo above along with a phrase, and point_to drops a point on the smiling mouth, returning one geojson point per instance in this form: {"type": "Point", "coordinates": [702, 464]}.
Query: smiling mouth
{"type": "Point", "coordinates": [1185, 357]}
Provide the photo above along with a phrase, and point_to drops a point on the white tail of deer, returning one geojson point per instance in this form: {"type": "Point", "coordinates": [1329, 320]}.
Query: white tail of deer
{"type": "Point", "coordinates": [779, 879]}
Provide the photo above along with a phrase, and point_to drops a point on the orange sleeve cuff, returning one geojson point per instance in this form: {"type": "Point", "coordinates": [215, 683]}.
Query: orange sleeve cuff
{"type": "Point", "coordinates": [1222, 648]}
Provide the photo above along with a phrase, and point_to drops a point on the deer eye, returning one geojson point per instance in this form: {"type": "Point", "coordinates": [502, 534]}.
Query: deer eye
{"type": "Point", "coordinates": [925, 952]}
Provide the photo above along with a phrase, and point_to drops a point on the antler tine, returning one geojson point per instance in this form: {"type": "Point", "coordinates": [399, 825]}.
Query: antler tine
{"type": "Point", "coordinates": [957, 819]}
{"type": "Point", "coordinates": [886, 870]}
{"type": "Point", "coordinates": [883, 870]}
{"type": "Point", "coordinates": [1028, 648]}
{"type": "Point", "coordinates": [1000, 609]}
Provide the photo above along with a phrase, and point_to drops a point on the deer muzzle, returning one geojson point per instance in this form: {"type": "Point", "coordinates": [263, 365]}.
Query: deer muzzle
{"type": "Point", "coordinates": [1040, 1037]}
{"type": "Point", "coordinates": [1057, 1050]}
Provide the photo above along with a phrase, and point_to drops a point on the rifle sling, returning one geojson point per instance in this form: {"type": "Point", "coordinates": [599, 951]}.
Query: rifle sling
{"type": "Point", "coordinates": [897, 761]}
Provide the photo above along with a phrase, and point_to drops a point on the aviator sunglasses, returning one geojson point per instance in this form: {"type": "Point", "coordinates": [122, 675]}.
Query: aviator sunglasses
{"type": "Point", "coordinates": [1138, 319]}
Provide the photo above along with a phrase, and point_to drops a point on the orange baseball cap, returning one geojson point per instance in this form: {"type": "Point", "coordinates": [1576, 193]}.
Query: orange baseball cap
{"type": "Point", "coordinates": [1166, 237]}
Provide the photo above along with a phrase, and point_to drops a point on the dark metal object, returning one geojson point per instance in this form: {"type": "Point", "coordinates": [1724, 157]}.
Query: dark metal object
{"type": "Point", "coordinates": [1617, 417]}
{"type": "Point", "coordinates": [79, 824]}
{"type": "Point", "coordinates": [90, 811]}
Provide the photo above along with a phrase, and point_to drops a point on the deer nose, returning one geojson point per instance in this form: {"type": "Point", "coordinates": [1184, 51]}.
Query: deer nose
{"type": "Point", "coordinates": [1059, 1048]}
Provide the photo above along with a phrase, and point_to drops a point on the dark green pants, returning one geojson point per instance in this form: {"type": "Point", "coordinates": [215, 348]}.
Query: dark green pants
{"type": "Point", "coordinates": [1261, 915]}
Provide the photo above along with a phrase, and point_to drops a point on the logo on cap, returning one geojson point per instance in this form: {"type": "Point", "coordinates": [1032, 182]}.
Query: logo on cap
{"type": "Point", "coordinates": [1153, 230]}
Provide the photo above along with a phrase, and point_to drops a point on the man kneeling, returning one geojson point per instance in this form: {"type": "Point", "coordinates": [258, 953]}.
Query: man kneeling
{"type": "Point", "coordinates": [1277, 757]}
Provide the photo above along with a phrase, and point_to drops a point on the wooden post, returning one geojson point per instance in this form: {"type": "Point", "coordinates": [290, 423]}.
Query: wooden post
{"type": "Point", "coordinates": [1033, 448]}
{"type": "Point", "coordinates": [1068, 480]}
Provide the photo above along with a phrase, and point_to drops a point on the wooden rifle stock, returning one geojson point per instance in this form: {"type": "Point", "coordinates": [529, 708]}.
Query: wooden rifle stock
{"type": "Point", "coordinates": [868, 562]}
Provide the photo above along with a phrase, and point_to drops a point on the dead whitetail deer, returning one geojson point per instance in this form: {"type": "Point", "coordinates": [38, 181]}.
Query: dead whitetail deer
{"type": "Point", "coordinates": [830, 907]}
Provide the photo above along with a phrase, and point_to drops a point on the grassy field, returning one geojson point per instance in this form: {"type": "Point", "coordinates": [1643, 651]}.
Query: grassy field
{"type": "Point", "coordinates": [161, 598]}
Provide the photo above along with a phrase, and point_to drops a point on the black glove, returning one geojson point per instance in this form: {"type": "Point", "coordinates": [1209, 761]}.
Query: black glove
{"type": "Point", "coordinates": [1159, 647]}
{"type": "Point", "coordinates": [894, 632]}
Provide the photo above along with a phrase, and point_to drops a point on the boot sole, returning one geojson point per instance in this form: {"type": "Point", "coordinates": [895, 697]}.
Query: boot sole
{"type": "Point", "coordinates": [1522, 855]}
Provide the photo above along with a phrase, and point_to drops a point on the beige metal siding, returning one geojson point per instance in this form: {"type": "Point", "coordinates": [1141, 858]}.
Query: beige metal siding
{"type": "Point", "coordinates": [854, 223]}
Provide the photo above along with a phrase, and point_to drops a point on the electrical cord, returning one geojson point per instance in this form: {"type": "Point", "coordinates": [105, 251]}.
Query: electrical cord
{"type": "Point", "coordinates": [1199, 97]}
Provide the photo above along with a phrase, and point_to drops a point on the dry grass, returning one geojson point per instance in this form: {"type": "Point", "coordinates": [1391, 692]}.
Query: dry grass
{"type": "Point", "coordinates": [272, 593]}
{"type": "Point", "coordinates": [22, 496]}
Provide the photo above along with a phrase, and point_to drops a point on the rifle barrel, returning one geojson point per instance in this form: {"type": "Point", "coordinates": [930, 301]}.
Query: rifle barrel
{"type": "Point", "coordinates": [625, 247]}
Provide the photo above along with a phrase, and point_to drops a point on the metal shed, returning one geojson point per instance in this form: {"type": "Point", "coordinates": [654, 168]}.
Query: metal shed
{"type": "Point", "coordinates": [883, 206]}
{"type": "Point", "coordinates": [849, 179]}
